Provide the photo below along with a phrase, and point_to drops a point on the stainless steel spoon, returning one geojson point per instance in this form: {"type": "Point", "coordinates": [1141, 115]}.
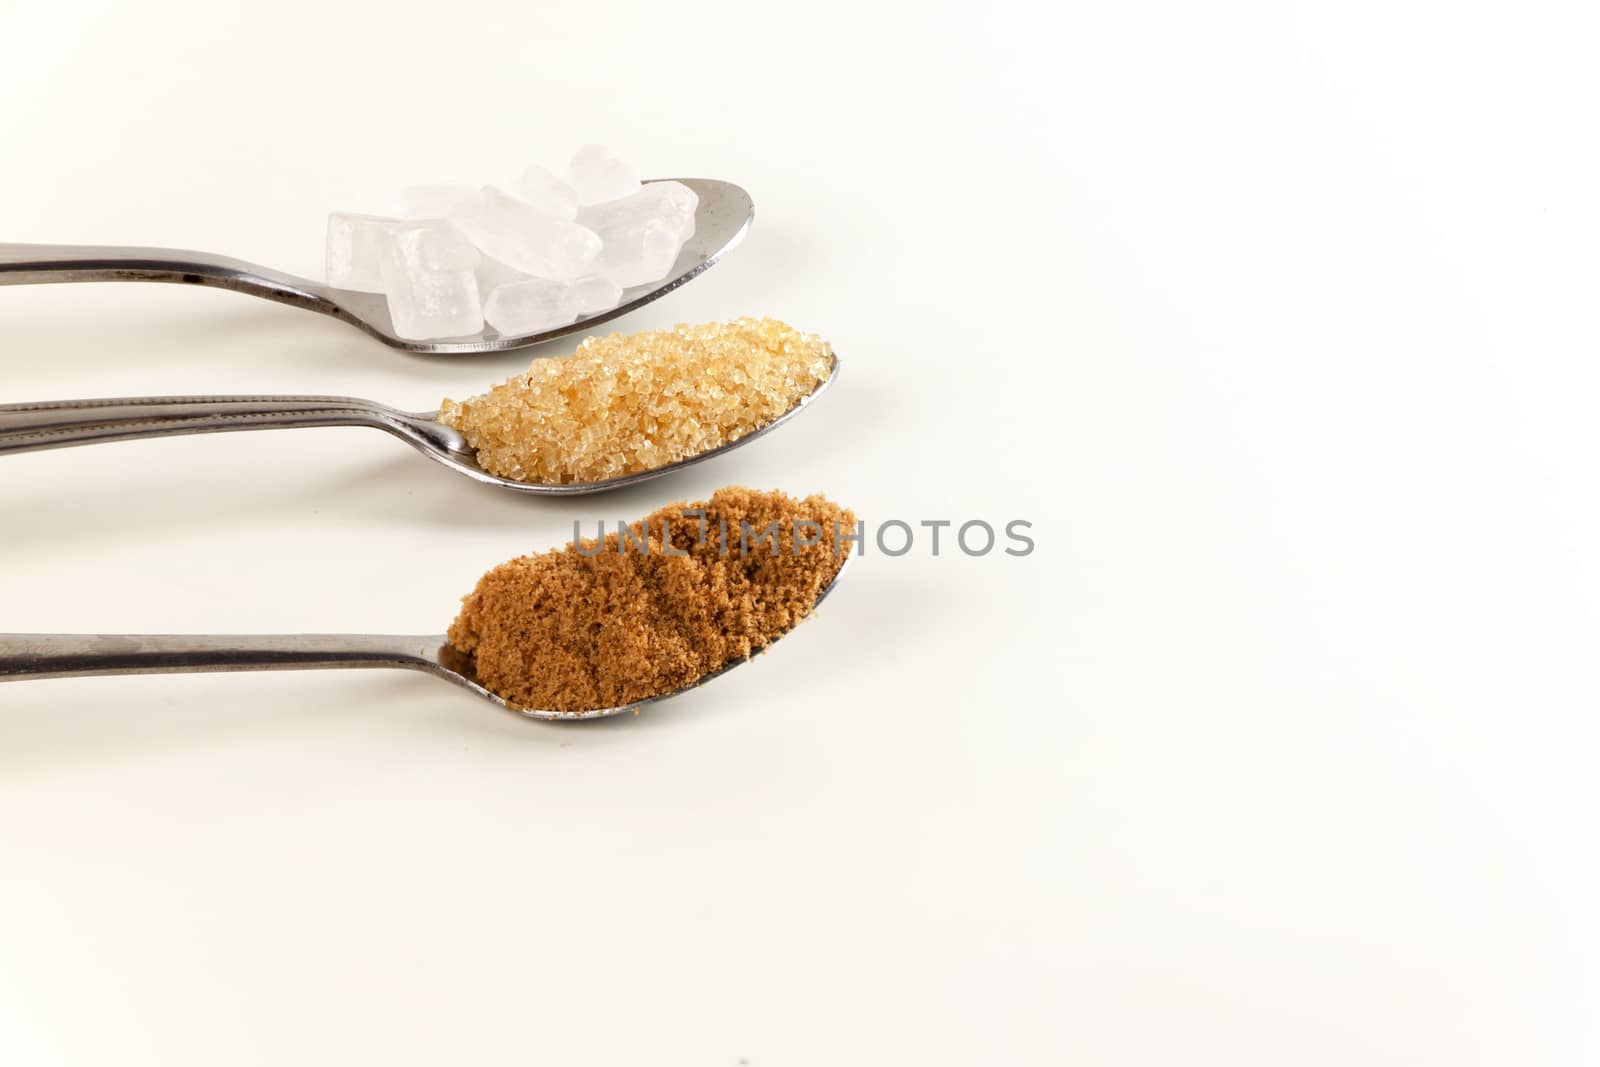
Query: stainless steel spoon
{"type": "Point", "coordinates": [63, 423]}
{"type": "Point", "coordinates": [720, 223]}
{"type": "Point", "coordinates": [24, 656]}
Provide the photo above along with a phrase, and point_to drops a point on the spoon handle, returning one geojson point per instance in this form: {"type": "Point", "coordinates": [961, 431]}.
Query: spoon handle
{"type": "Point", "coordinates": [81, 655]}
{"type": "Point", "coordinates": [36, 264]}
{"type": "Point", "coordinates": [58, 424]}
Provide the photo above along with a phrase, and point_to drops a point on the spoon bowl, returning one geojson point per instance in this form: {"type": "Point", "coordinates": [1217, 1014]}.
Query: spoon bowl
{"type": "Point", "coordinates": [62, 423]}
{"type": "Point", "coordinates": [24, 656]}
{"type": "Point", "coordinates": [721, 220]}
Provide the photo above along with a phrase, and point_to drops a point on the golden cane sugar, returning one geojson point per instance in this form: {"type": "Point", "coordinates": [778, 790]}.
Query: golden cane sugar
{"type": "Point", "coordinates": [602, 623]}
{"type": "Point", "coordinates": [629, 403]}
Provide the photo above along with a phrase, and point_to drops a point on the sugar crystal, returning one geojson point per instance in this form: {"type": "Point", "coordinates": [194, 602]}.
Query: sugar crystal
{"type": "Point", "coordinates": [642, 234]}
{"type": "Point", "coordinates": [354, 242]}
{"type": "Point", "coordinates": [527, 239]}
{"type": "Point", "coordinates": [427, 269]}
{"type": "Point", "coordinates": [531, 306]}
{"type": "Point", "coordinates": [595, 294]}
{"type": "Point", "coordinates": [548, 193]}
{"type": "Point", "coordinates": [600, 234]}
{"type": "Point", "coordinates": [599, 176]}
{"type": "Point", "coordinates": [492, 274]}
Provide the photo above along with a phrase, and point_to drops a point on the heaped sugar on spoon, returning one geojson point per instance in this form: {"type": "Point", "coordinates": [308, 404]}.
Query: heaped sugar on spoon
{"type": "Point", "coordinates": [466, 268]}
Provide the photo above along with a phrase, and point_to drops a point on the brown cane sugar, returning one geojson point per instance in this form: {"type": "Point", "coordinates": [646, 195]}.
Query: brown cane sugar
{"type": "Point", "coordinates": [603, 623]}
{"type": "Point", "coordinates": [629, 403]}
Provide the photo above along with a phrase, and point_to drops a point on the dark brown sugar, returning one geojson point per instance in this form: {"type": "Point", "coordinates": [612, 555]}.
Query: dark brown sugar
{"type": "Point", "coordinates": [606, 623]}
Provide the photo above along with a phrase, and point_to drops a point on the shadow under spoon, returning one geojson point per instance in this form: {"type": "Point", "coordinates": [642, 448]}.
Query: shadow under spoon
{"type": "Point", "coordinates": [32, 427]}
{"type": "Point", "coordinates": [721, 218]}
{"type": "Point", "coordinates": [25, 656]}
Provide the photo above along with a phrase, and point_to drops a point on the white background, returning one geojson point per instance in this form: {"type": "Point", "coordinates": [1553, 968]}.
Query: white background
{"type": "Point", "coordinates": [1277, 321]}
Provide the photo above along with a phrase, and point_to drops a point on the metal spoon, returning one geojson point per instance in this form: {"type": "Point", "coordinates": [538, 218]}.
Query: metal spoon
{"type": "Point", "coordinates": [720, 222]}
{"type": "Point", "coordinates": [63, 423]}
{"type": "Point", "coordinates": [24, 656]}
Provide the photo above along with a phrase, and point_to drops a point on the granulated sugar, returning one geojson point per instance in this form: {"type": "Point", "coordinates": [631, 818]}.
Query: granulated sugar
{"type": "Point", "coordinates": [625, 404]}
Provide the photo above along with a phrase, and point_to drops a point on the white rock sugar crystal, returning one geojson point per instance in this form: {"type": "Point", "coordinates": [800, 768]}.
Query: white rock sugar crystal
{"type": "Point", "coordinates": [647, 259]}
{"type": "Point", "coordinates": [671, 203]}
{"type": "Point", "coordinates": [642, 234]}
{"type": "Point", "coordinates": [548, 193]}
{"type": "Point", "coordinates": [427, 271]}
{"type": "Point", "coordinates": [598, 176]}
{"type": "Point", "coordinates": [531, 306]}
{"type": "Point", "coordinates": [596, 293]}
{"type": "Point", "coordinates": [561, 251]}
{"type": "Point", "coordinates": [354, 242]}
{"type": "Point", "coordinates": [492, 274]}
{"type": "Point", "coordinates": [435, 245]}
{"type": "Point", "coordinates": [527, 239]}
{"type": "Point", "coordinates": [439, 201]}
